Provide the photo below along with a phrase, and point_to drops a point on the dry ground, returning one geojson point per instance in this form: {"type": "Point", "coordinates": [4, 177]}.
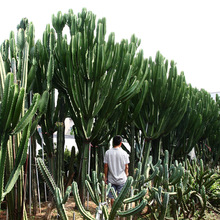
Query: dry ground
{"type": "Point", "coordinates": [70, 209]}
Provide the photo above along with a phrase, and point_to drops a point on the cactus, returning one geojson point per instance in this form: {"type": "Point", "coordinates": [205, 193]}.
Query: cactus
{"type": "Point", "coordinates": [133, 211]}
{"type": "Point", "coordinates": [92, 71]}
{"type": "Point", "coordinates": [174, 188]}
{"type": "Point", "coordinates": [197, 126]}
{"type": "Point", "coordinates": [119, 202]}
{"type": "Point", "coordinates": [163, 203]}
{"type": "Point", "coordinates": [10, 100]}
{"type": "Point", "coordinates": [85, 213]}
{"type": "Point", "coordinates": [20, 62]}
{"type": "Point", "coordinates": [159, 110]}
{"type": "Point", "coordinates": [59, 201]}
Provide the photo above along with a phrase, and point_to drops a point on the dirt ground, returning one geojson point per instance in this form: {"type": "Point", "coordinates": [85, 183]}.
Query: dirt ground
{"type": "Point", "coordinates": [69, 206]}
{"type": "Point", "coordinates": [71, 211]}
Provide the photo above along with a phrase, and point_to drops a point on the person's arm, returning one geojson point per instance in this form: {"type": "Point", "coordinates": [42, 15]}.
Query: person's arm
{"type": "Point", "coordinates": [106, 172]}
{"type": "Point", "coordinates": [126, 169]}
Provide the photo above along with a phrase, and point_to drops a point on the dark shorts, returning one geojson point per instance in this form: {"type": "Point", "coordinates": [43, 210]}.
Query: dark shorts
{"type": "Point", "coordinates": [117, 189]}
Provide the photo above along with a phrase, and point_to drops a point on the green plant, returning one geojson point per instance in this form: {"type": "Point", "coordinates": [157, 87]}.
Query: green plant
{"type": "Point", "coordinates": [11, 108]}
{"type": "Point", "coordinates": [176, 189]}
{"type": "Point", "coordinates": [59, 200]}
{"type": "Point", "coordinates": [96, 75]}
{"type": "Point", "coordinates": [121, 200]}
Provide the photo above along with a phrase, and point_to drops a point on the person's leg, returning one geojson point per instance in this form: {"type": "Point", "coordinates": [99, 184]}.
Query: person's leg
{"type": "Point", "coordinates": [110, 195]}
{"type": "Point", "coordinates": [119, 188]}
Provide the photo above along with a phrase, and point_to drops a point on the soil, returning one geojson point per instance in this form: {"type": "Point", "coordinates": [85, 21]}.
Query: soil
{"type": "Point", "coordinates": [69, 207]}
{"type": "Point", "coordinates": [71, 211]}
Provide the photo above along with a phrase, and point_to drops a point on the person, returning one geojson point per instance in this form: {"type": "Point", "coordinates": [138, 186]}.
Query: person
{"type": "Point", "coordinates": [116, 162]}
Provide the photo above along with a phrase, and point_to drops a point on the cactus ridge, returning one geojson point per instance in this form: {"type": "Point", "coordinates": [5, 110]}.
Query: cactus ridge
{"type": "Point", "coordinates": [2, 76]}
{"type": "Point", "coordinates": [12, 109]}
{"type": "Point", "coordinates": [133, 211]}
{"type": "Point", "coordinates": [91, 192]}
{"type": "Point", "coordinates": [5, 100]}
{"type": "Point", "coordinates": [66, 194]}
{"type": "Point", "coordinates": [9, 106]}
{"type": "Point", "coordinates": [164, 206]}
{"type": "Point", "coordinates": [18, 107]}
{"type": "Point", "coordinates": [46, 175]}
{"type": "Point", "coordinates": [50, 72]}
{"type": "Point", "coordinates": [60, 205]}
{"type": "Point", "coordinates": [54, 189]}
{"type": "Point", "coordinates": [20, 159]}
{"type": "Point", "coordinates": [3, 151]}
{"type": "Point", "coordinates": [113, 193]}
{"type": "Point", "coordinates": [28, 115]}
{"type": "Point", "coordinates": [43, 102]}
{"type": "Point", "coordinates": [86, 214]}
{"type": "Point", "coordinates": [137, 197]}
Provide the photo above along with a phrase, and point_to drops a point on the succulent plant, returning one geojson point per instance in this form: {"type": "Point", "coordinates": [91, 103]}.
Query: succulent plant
{"type": "Point", "coordinates": [59, 200]}
{"type": "Point", "coordinates": [121, 200]}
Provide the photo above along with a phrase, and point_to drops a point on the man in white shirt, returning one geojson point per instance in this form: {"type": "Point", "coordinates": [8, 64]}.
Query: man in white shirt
{"type": "Point", "coordinates": [116, 162]}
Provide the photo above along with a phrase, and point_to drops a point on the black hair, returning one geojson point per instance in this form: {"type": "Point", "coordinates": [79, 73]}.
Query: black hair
{"type": "Point", "coordinates": [117, 140]}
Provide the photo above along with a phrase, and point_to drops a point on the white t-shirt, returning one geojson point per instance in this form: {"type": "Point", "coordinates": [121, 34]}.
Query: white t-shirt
{"type": "Point", "coordinates": [116, 158]}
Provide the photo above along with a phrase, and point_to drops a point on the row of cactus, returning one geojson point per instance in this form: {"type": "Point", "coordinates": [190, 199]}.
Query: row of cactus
{"type": "Point", "coordinates": [96, 75]}
{"type": "Point", "coordinates": [166, 99]}
{"type": "Point", "coordinates": [21, 57]}
{"type": "Point", "coordinates": [98, 191]}
{"type": "Point", "coordinates": [197, 125]}
{"type": "Point", "coordinates": [173, 116]}
{"type": "Point", "coordinates": [176, 189]}
{"type": "Point", "coordinates": [14, 119]}
{"type": "Point", "coordinates": [122, 207]}
{"type": "Point", "coordinates": [156, 110]}
{"type": "Point", "coordinates": [15, 58]}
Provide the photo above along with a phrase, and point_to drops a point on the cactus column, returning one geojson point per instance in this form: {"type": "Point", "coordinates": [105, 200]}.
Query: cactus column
{"type": "Point", "coordinates": [95, 75]}
{"type": "Point", "coordinates": [13, 125]}
{"type": "Point", "coordinates": [166, 102]}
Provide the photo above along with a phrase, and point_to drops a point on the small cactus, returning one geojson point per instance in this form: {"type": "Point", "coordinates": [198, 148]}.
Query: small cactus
{"type": "Point", "coordinates": [120, 200]}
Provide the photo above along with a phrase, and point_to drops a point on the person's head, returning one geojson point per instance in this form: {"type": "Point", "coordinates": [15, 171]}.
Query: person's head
{"type": "Point", "coordinates": [117, 140]}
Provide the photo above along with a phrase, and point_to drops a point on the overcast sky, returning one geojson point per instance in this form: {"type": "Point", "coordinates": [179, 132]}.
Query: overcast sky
{"type": "Point", "coordinates": [186, 31]}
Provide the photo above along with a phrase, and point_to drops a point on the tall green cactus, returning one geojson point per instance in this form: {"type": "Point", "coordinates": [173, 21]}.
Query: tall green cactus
{"type": "Point", "coordinates": [56, 192]}
{"type": "Point", "coordinates": [95, 75]}
{"type": "Point", "coordinates": [197, 125]}
{"type": "Point", "coordinates": [12, 101]}
{"type": "Point", "coordinates": [165, 104]}
{"type": "Point", "coordinates": [20, 59]}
